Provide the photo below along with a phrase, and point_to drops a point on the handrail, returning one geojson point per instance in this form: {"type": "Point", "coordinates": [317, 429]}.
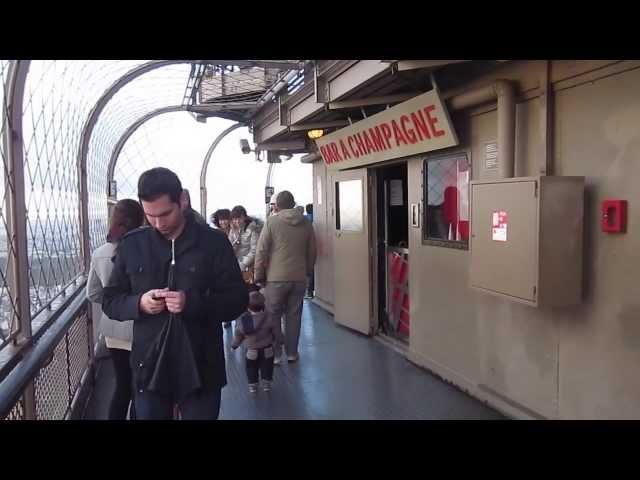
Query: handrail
{"type": "Point", "coordinates": [35, 358]}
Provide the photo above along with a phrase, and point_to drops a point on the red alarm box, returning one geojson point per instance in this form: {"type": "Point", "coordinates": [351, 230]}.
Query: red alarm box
{"type": "Point", "coordinates": [614, 216]}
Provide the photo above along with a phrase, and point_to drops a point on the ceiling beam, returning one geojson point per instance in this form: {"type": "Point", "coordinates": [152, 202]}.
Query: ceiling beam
{"type": "Point", "coordinates": [404, 65]}
{"type": "Point", "coordinates": [217, 107]}
{"type": "Point", "coordinates": [276, 64]}
{"type": "Point", "coordinates": [314, 126]}
{"type": "Point", "coordinates": [298, 144]}
{"type": "Point", "coordinates": [363, 102]}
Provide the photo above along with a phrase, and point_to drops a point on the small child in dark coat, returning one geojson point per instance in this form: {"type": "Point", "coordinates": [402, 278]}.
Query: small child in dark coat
{"type": "Point", "coordinates": [259, 335]}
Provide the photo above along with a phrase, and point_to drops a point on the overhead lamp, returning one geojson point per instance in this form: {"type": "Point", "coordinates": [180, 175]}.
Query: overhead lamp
{"type": "Point", "coordinates": [313, 134]}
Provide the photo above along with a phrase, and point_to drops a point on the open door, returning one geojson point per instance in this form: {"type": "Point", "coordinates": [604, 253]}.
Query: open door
{"type": "Point", "coordinates": [352, 297]}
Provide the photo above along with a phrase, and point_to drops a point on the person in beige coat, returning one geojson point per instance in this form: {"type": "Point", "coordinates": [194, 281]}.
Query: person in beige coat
{"type": "Point", "coordinates": [127, 215]}
{"type": "Point", "coordinates": [285, 256]}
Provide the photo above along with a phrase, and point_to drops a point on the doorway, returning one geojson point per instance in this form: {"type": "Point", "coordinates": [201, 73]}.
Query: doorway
{"type": "Point", "coordinates": [392, 222]}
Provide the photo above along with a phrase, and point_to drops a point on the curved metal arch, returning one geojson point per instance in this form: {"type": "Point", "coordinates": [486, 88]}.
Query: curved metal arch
{"type": "Point", "coordinates": [269, 174]}
{"type": "Point", "coordinates": [205, 165]}
{"type": "Point", "coordinates": [130, 131]}
{"type": "Point", "coordinates": [15, 193]}
{"type": "Point", "coordinates": [18, 261]}
{"type": "Point", "coordinates": [268, 184]}
{"type": "Point", "coordinates": [87, 130]}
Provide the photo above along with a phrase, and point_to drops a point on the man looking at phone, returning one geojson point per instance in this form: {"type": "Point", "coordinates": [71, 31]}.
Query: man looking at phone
{"type": "Point", "coordinates": [177, 355]}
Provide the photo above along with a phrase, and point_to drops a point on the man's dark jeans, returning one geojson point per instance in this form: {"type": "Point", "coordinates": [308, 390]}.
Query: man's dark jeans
{"type": "Point", "coordinates": [197, 406]}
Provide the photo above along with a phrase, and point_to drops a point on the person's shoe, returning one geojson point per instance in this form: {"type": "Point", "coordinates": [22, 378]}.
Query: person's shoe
{"type": "Point", "coordinates": [253, 388]}
{"type": "Point", "coordinates": [292, 358]}
{"type": "Point", "coordinates": [277, 360]}
{"type": "Point", "coordinates": [266, 385]}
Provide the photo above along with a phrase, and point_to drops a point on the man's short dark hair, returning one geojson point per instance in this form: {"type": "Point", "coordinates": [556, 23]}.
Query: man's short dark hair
{"type": "Point", "coordinates": [285, 200]}
{"type": "Point", "coordinates": [309, 208]}
{"type": "Point", "coordinates": [157, 182]}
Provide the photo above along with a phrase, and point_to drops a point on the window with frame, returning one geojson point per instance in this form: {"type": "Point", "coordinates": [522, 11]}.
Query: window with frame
{"type": "Point", "coordinates": [446, 201]}
{"type": "Point", "coordinates": [349, 216]}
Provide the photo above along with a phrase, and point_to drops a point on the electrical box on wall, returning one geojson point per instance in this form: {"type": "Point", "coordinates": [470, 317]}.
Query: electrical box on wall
{"type": "Point", "coordinates": [614, 216]}
{"type": "Point", "coordinates": [526, 239]}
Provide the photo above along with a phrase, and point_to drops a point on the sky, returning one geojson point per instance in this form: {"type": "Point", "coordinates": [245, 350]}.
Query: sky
{"type": "Point", "coordinates": [177, 141]}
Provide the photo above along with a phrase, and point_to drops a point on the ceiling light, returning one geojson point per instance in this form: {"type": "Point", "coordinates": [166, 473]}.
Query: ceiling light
{"type": "Point", "coordinates": [313, 134]}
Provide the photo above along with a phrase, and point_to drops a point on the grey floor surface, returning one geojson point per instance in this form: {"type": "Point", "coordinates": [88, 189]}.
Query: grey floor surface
{"type": "Point", "coordinates": [341, 375]}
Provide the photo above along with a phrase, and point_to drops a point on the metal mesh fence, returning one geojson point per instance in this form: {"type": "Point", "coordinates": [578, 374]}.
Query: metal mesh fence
{"type": "Point", "coordinates": [173, 140]}
{"type": "Point", "coordinates": [158, 88]}
{"type": "Point", "coordinates": [58, 98]}
{"type": "Point", "coordinates": [17, 412]}
{"type": "Point", "coordinates": [235, 84]}
{"type": "Point", "coordinates": [79, 351]}
{"type": "Point", "coordinates": [52, 388]}
{"type": "Point", "coordinates": [58, 382]}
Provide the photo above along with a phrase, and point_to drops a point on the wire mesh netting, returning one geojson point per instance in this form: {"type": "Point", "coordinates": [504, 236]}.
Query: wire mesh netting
{"type": "Point", "coordinates": [17, 412]}
{"type": "Point", "coordinates": [231, 83]}
{"type": "Point", "coordinates": [57, 383]}
{"type": "Point", "coordinates": [52, 386]}
{"type": "Point", "coordinates": [172, 140]}
{"type": "Point", "coordinates": [58, 98]}
{"type": "Point", "coordinates": [156, 89]}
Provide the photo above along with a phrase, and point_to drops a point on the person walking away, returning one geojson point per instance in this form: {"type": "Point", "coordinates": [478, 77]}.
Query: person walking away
{"type": "Point", "coordinates": [127, 215]}
{"type": "Point", "coordinates": [285, 256]}
{"type": "Point", "coordinates": [258, 332]}
{"type": "Point", "coordinates": [178, 281]}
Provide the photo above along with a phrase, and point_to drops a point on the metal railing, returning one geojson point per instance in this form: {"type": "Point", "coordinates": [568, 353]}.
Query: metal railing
{"type": "Point", "coordinates": [54, 373]}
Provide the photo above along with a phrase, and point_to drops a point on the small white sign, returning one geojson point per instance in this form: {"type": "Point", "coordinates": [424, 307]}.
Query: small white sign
{"type": "Point", "coordinates": [396, 199]}
{"type": "Point", "coordinates": [491, 155]}
{"type": "Point", "coordinates": [499, 226]}
{"type": "Point", "coordinates": [319, 192]}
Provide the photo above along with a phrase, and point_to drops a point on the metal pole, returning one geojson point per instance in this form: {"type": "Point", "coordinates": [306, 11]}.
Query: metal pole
{"type": "Point", "coordinates": [17, 214]}
{"type": "Point", "coordinates": [205, 166]}
{"type": "Point", "coordinates": [268, 184]}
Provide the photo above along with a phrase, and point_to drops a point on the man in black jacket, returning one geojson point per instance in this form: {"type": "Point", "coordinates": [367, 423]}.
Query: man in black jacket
{"type": "Point", "coordinates": [178, 281]}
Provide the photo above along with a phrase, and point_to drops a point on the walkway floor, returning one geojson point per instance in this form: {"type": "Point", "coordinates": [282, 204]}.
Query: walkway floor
{"type": "Point", "coordinates": [340, 375]}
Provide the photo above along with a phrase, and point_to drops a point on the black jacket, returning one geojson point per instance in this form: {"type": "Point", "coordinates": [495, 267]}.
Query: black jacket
{"type": "Point", "coordinates": [207, 270]}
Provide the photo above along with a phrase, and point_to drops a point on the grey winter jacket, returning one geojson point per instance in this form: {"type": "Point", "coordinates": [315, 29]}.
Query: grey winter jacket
{"type": "Point", "coordinates": [255, 329]}
{"type": "Point", "coordinates": [244, 244]}
{"type": "Point", "coordinates": [99, 273]}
